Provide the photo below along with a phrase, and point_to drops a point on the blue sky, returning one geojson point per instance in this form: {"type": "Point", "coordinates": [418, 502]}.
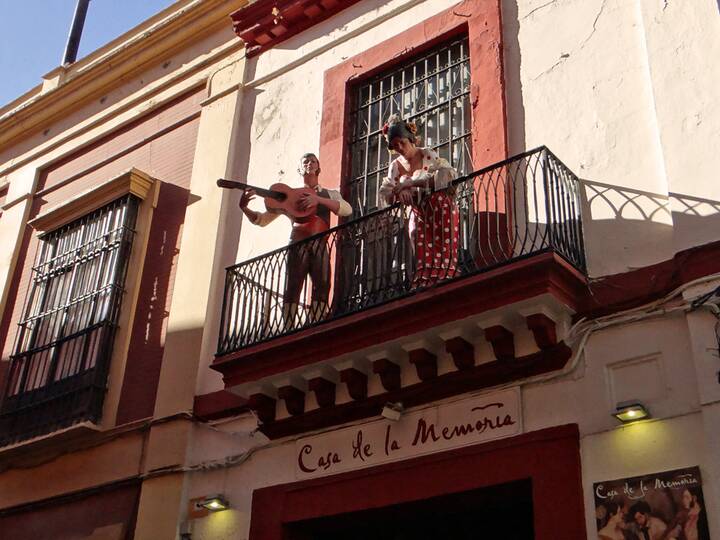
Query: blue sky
{"type": "Point", "coordinates": [33, 34]}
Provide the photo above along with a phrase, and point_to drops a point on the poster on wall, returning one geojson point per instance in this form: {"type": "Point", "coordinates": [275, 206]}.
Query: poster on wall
{"type": "Point", "coordinates": [667, 505]}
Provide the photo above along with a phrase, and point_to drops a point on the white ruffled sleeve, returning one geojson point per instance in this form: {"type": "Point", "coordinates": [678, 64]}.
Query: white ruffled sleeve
{"type": "Point", "coordinates": [344, 208]}
{"type": "Point", "coordinates": [443, 173]}
{"type": "Point", "coordinates": [388, 183]}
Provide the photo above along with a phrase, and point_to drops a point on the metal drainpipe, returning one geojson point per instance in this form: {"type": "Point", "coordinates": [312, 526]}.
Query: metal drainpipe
{"type": "Point", "coordinates": [73, 42]}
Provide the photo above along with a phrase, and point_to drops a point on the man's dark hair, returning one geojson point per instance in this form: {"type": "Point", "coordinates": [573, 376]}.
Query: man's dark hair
{"type": "Point", "coordinates": [640, 506]}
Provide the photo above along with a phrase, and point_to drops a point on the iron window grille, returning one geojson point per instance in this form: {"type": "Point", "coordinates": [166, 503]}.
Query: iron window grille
{"type": "Point", "coordinates": [432, 90]}
{"type": "Point", "coordinates": [58, 372]}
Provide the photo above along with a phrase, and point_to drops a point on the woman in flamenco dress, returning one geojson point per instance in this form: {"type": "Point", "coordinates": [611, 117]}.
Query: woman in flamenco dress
{"type": "Point", "coordinates": [418, 177]}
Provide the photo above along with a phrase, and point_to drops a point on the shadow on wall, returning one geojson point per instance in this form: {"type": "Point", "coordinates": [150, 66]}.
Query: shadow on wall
{"type": "Point", "coordinates": [512, 59]}
{"type": "Point", "coordinates": [627, 228]}
{"type": "Point", "coordinates": [243, 140]}
{"type": "Point", "coordinates": [147, 341]}
{"type": "Point", "coordinates": [696, 220]}
{"type": "Point", "coordinates": [231, 219]}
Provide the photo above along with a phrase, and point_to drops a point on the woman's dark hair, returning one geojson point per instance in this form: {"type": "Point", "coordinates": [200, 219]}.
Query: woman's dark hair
{"type": "Point", "coordinates": [397, 127]}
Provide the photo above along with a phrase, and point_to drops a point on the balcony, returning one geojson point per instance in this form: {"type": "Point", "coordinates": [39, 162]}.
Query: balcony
{"type": "Point", "coordinates": [393, 324]}
{"type": "Point", "coordinates": [517, 209]}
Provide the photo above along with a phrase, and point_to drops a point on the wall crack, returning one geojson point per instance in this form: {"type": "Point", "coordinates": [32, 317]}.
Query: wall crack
{"type": "Point", "coordinates": [594, 25]}
{"type": "Point", "coordinates": [538, 9]}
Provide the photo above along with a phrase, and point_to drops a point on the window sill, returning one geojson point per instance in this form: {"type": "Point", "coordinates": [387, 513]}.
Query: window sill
{"type": "Point", "coordinates": [32, 449]}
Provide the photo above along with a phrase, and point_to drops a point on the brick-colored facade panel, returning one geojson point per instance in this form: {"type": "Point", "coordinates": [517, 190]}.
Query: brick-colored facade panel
{"type": "Point", "coordinates": [161, 144]}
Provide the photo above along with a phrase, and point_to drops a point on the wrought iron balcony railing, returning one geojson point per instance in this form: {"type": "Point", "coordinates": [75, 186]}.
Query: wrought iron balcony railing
{"type": "Point", "coordinates": [523, 206]}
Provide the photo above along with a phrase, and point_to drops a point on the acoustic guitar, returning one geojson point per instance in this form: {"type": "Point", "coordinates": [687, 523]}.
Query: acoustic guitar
{"type": "Point", "coordinates": [279, 199]}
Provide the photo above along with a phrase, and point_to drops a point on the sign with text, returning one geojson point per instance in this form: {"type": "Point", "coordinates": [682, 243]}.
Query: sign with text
{"type": "Point", "coordinates": [667, 504]}
{"type": "Point", "coordinates": [451, 425]}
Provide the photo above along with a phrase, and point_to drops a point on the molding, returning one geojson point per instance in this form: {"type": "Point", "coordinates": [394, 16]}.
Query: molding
{"type": "Point", "coordinates": [126, 111]}
{"type": "Point", "coordinates": [164, 34]}
{"type": "Point", "coordinates": [263, 24]}
{"type": "Point", "coordinates": [218, 404]}
{"type": "Point", "coordinates": [28, 447]}
{"type": "Point", "coordinates": [64, 498]}
{"type": "Point", "coordinates": [9, 204]}
{"type": "Point", "coordinates": [618, 292]}
{"type": "Point", "coordinates": [132, 181]}
{"type": "Point", "coordinates": [481, 377]}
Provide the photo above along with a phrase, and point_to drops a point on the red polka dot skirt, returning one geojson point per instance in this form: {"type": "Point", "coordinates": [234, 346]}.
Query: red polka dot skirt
{"type": "Point", "coordinates": [437, 233]}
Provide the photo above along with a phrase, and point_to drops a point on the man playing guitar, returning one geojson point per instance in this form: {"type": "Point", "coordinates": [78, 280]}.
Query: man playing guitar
{"type": "Point", "coordinates": [307, 258]}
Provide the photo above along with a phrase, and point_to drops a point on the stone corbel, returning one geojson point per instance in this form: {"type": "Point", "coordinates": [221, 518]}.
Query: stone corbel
{"type": "Point", "coordinates": [294, 399]}
{"type": "Point", "coordinates": [263, 406]}
{"type": "Point", "coordinates": [389, 373]}
{"type": "Point", "coordinates": [324, 390]}
{"type": "Point", "coordinates": [543, 330]}
{"type": "Point", "coordinates": [502, 341]}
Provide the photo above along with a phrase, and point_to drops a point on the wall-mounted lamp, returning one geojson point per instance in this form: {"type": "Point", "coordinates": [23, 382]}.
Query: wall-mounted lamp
{"type": "Point", "coordinates": [393, 411]}
{"type": "Point", "coordinates": [215, 503]}
{"type": "Point", "coordinates": [630, 411]}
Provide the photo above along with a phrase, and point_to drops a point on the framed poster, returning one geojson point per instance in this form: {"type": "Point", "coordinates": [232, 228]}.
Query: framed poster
{"type": "Point", "coordinates": [667, 505]}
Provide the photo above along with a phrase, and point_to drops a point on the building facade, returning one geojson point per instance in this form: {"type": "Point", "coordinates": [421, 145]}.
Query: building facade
{"type": "Point", "coordinates": [154, 360]}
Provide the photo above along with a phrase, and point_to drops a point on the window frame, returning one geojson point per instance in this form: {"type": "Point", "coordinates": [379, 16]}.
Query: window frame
{"type": "Point", "coordinates": [481, 21]}
{"type": "Point", "coordinates": [143, 187]}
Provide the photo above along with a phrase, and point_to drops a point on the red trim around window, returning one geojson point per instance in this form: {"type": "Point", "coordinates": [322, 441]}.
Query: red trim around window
{"type": "Point", "coordinates": [481, 20]}
{"type": "Point", "coordinates": [550, 458]}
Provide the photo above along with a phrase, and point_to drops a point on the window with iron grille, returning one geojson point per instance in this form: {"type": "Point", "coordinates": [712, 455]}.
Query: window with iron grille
{"type": "Point", "coordinates": [58, 372]}
{"type": "Point", "coordinates": [433, 91]}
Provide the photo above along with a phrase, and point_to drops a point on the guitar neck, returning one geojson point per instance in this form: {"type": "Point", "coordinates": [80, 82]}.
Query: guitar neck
{"type": "Point", "coordinates": [267, 193]}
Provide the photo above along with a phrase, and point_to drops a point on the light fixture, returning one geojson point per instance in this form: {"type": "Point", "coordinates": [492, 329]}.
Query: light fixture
{"type": "Point", "coordinates": [214, 503]}
{"type": "Point", "coordinates": [393, 411]}
{"type": "Point", "coordinates": [630, 411]}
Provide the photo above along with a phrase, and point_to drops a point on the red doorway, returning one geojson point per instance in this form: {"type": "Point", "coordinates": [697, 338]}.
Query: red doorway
{"type": "Point", "coordinates": [541, 470]}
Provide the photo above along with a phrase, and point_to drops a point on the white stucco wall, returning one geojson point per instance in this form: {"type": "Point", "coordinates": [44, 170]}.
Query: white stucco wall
{"type": "Point", "coordinates": [282, 106]}
{"type": "Point", "coordinates": [621, 90]}
{"type": "Point", "coordinates": [681, 38]}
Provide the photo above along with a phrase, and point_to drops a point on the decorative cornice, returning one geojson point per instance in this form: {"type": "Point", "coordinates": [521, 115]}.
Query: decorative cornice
{"type": "Point", "coordinates": [483, 376]}
{"type": "Point", "coordinates": [133, 181]}
{"type": "Point", "coordinates": [265, 23]}
{"type": "Point", "coordinates": [161, 35]}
